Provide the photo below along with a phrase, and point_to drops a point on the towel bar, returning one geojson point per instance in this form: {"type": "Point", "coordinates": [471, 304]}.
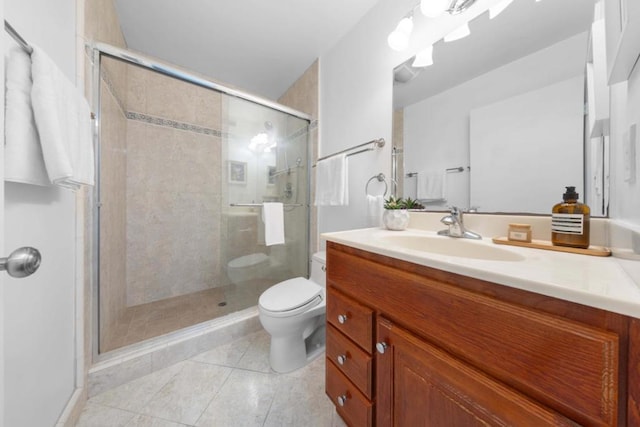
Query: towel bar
{"type": "Point", "coordinates": [259, 205]}
{"type": "Point", "coordinates": [380, 177]}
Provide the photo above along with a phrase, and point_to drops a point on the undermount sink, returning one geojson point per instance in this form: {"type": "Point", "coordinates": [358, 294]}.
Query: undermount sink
{"type": "Point", "coordinates": [462, 248]}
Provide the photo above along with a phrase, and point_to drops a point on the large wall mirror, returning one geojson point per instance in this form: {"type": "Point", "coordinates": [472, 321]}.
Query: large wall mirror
{"type": "Point", "coordinates": [498, 122]}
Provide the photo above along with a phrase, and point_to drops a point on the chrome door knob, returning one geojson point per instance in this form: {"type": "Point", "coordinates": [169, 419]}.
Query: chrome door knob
{"type": "Point", "coordinates": [22, 262]}
{"type": "Point", "coordinates": [342, 318]}
{"type": "Point", "coordinates": [381, 347]}
{"type": "Point", "coordinates": [341, 359]}
{"type": "Point", "coordinates": [342, 400]}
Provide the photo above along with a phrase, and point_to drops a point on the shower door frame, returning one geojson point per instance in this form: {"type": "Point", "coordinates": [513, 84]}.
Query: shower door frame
{"type": "Point", "coordinates": [96, 51]}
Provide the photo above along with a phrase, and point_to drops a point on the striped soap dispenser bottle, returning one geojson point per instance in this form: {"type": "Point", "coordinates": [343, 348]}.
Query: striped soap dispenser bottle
{"type": "Point", "coordinates": [570, 221]}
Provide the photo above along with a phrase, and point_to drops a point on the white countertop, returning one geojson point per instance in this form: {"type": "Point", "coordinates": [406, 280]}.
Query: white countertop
{"type": "Point", "coordinates": [599, 282]}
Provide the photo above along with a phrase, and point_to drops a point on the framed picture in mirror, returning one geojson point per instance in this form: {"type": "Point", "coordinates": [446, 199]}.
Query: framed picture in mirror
{"type": "Point", "coordinates": [237, 172]}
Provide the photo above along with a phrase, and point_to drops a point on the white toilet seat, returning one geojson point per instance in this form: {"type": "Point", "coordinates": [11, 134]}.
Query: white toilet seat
{"type": "Point", "coordinates": [291, 297]}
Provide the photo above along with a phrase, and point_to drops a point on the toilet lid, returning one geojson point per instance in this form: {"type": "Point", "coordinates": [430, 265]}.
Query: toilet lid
{"type": "Point", "coordinates": [289, 295]}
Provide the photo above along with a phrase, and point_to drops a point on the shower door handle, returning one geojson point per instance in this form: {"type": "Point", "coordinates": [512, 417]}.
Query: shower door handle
{"type": "Point", "coordinates": [22, 262]}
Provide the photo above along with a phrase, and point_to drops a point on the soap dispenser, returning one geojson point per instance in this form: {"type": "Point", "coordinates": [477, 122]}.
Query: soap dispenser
{"type": "Point", "coordinates": [570, 221]}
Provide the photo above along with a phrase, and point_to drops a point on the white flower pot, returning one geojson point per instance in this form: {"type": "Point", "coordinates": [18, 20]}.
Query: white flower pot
{"type": "Point", "coordinates": [395, 219]}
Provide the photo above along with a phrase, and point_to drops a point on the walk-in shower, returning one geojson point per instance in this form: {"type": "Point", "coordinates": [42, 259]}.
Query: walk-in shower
{"type": "Point", "coordinates": [184, 167]}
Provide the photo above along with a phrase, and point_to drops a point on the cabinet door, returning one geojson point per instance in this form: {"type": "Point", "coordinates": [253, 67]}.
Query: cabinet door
{"type": "Point", "coordinates": [421, 385]}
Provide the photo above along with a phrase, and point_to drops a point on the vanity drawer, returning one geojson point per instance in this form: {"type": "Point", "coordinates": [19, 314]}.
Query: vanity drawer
{"type": "Point", "coordinates": [351, 318]}
{"type": "Point", "coordinates": [352, 405]}
{"type": "Point", "coordinates": [350, 360]}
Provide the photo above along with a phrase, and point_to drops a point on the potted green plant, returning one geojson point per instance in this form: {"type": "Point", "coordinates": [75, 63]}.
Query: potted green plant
{"type": "Point", "coordinates": [395, 215]}
{"type": "Point", "coordinates": [412, 204]}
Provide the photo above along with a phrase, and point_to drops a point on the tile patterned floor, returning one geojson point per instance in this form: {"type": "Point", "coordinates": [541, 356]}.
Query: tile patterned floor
{"type": "Point", "coordinates": [231, 385]}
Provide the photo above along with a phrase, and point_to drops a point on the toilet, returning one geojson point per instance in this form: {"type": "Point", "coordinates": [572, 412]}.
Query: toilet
{"type": "Point", "coordinates": [293, 312]}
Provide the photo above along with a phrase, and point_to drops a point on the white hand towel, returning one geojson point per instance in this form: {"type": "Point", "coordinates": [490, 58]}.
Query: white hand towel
{"type": "Point", "coordinates": [375, 207]}
{"type": "Point", "coordinates": [332, 183]}
{"type": "Point", "coordinates": [596, 165]}
{"type": "Point", "coordinates": [273, 217]}
{"type": "Point", "coordinates": [431, 186]}
{"type": "Point", "coordinates": [23, 155]}
{"type": "Point", "coordinates": [63, 119]}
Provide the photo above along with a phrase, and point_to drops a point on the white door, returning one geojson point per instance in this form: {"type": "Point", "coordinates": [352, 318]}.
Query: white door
{"type": "Point", "coordinates": [2, 45]}
{"type": "Point", "coordinates": [38, 334]}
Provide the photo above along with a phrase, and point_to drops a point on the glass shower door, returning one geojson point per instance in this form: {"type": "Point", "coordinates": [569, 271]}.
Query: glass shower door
{"type": "Point", "coordinates": [267, 161]}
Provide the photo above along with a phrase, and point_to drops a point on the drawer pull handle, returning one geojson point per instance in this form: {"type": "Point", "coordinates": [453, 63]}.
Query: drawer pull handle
{"type": "Point", "coordinates": [381, 347]}
{"type": "Point", "coordinates": [342, 358]}
{"type": "Point", "coordinates": [342, 400]}
{"type": "Point", "coordinates": [342, 318]}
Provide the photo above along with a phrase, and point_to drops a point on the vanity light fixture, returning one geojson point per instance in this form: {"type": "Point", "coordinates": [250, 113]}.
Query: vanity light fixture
{"type": "Point", "coordinates": [460, 32]}
{"type": "Point", "coordinates": [264, 140]}
{"type": "Point", "coordinates": [435, 8]}
{"type": "Point", "coordinates": [497, 9]}
{"type": "Point", "coordinates": [398, 40]}
{"type": "Point", "coordinates": [424, 58]}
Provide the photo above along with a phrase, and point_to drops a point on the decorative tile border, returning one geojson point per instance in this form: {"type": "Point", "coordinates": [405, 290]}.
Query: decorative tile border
{"type": "Point", "coordinates": [159, 121]}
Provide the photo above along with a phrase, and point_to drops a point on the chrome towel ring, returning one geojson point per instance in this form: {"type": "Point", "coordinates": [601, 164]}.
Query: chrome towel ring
{"type": "Point", "coordinates": [380, 177]}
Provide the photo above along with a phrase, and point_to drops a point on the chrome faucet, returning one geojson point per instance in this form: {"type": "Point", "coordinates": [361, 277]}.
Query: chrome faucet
{"type": "Point", "coordinates": [456, 226]}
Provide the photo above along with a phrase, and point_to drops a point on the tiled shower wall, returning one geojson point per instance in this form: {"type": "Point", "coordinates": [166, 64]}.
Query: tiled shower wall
{"type": "Point", "coordinates": [173, 187]}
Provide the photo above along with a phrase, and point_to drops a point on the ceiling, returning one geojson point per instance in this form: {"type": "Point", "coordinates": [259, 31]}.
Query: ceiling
{"type": "Point", "coordinates": [259, 46]}
{"type": "Point", "coordinates": [526, 26]}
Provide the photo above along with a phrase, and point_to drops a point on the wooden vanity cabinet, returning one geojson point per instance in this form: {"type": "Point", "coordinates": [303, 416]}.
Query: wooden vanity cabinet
{"type": "Point", "coordinates": [447, 350]}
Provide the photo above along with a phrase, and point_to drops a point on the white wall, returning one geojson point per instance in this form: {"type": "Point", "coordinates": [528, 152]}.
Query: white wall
{"type": "Point", "coordinates": [40, 310]}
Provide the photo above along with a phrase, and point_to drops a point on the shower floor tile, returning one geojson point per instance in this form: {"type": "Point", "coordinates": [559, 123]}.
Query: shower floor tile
{"type": "Point", "coordinates": [145, 321]}
{"type": "Point", "coordinates": [231, 385]}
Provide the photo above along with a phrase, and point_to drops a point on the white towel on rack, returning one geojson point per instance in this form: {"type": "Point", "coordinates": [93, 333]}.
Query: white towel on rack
{"type": "Point", "coordinates": [23, 155]}
{"type": "Point", "coordinates": [63, 119]}
{"type": "Point", "coordinates": [332, 181]}
{"type": "Point", "coordinates": [375, 207]}
{"type": "Point", "coordinates": [431, 186]}
{"type": "Point", "coordinates": [273, 217]}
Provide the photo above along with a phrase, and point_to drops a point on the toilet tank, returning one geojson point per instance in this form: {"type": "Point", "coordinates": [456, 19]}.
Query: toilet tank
{"type": "Point", "coordinates": [318, 263]}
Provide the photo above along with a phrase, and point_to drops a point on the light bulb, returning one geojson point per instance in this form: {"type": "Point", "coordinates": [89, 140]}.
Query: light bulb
{"type": "Point", "coordinates": [433, 8]}
{"type": "Point", "coordinates": [458, 33]}
{"type": "Point", "coordinates": [399, 39]}
{"type": "Point", "coordinates": [498, 8]}
{"type": "Point", "coordinates": [424, 58]}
